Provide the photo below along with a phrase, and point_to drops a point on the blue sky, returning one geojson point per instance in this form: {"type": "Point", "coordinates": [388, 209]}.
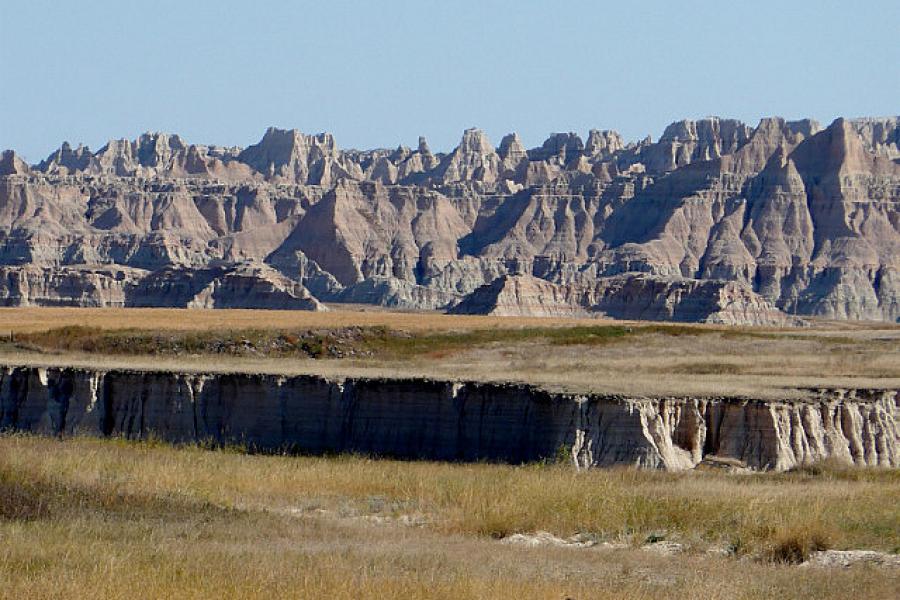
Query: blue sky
{"type": "Point", "coordinates": [382, 73]}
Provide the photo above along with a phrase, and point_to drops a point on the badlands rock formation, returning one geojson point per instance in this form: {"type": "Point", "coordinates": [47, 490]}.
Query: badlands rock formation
{"type": "Point", "coordinates": [716, 221]}
{"type": "Point", "coordinates": [632, 297]}
{"type": "Point", "coordinates": [232, 286]}
{"type": "Point", "coordinates": [453, 421]}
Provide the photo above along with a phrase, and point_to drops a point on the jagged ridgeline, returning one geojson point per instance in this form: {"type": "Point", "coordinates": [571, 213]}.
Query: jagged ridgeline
{"type": "Point", "coordinates": [716, 221]}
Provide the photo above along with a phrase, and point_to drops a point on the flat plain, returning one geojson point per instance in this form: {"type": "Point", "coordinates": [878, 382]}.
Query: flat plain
{"type": "Point", "coordinates": [578, 355]}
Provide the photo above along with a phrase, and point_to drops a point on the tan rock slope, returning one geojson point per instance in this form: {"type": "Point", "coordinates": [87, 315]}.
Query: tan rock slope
{"type": "Point", "coordinates": [633, 297]}
{"type": "Point", "coordinates": [234, 286]}
{"type": "Point", "coordinates": [524, 295]}
{"type": "Point", "coordinates": [715, 221]}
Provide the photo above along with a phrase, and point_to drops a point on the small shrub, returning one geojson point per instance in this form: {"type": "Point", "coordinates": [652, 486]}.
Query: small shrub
{"type": "Point", "coordinates": [827, 469]}
{"type": "Point", "coordinates": [794, 545]}
{"type": "Point", "coordinates": [562, 457]}
{"type": "Point", "coordinates": [708, 368]}
{"type": "Point", "coordinates": [313, 348]}
{"type": "Point", "coordinates": [495, 528]}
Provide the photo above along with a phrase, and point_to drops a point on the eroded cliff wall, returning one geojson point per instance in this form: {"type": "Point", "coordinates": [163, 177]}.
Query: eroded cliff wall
{"type": "Point", "coordinates": [425, 419]}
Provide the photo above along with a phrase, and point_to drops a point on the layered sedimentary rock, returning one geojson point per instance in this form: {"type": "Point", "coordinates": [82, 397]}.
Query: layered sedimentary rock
{"type": "Point", "coordinates": [786, 215]}
{"type": "Point", "coordinates": [523, 295]}
{"type": "Point", "coordinates": [634, 297]}
{"type": "Point", "coordinates": [243, 286]}
{"type": "Point", "coordinates": [427, 419]}
{"type": "Point", "coordinates": [49, 286]}
{"type": "Point", "coordinates": [232, 286]}
{"type": "Point", "coordinates": [11, 164]}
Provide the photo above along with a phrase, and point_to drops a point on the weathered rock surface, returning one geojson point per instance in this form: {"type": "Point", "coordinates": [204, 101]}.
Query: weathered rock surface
{"type": "Point", "coordinates": [11, 164]}
{"type": "Point", "coordinates": [428, 419]}
{"type": "Point", "coordinates": [545, 538]}
{"type": "Point", "coordinates": [232, 286]}
{"type": "Point", "coordinates": [244, 286]}
{"type": "Point", "coordinates": [795, 218]}
{"type": "Point", "coordinates": [523, 295]}
{"type": "Point", "coordinates": [848, 558]}
{"type": "Point", "coordinates": [631, 296]}
{"type": "Point", "coordinates": [69, 286]}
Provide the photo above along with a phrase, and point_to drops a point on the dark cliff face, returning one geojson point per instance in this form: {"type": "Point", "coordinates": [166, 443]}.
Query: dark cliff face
{"type": "Point", "coordinates": [805, 218]}
{"type": "Point", "coordinates": [424, 419]}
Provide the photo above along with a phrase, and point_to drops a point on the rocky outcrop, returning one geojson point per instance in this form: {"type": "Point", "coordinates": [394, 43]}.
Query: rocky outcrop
{"type": "Point", "coordinates": [475, 159]}
{"type": "Point", "coordinates": [642, 296]}
{"type": "Point", "coordinates": [68, 286]}
{"type": "Point", "coordinates": [66, 160]}
{"type": "Point", "coordinates": [603, 144]}
{"type": "Point", "coordinates": [880, 136]}
{"type": "Point", "coordinates": [235, 286]}
{"type": "Point", "coordinates": [633, 296]}
{"type": "Point", "coordinates": [152, 155]}
{"type": "Point", "coordinates": [246, 286]}
{"type": "Point", "coordinates": [688, 141]}
{"type": "Point", "coordinates": [256, 287]}
{"type": "Point", "coordinates": [11, 164]}
{"type": "Point", "coordinates": [513, 158]}
{"type": "Point", "coordinates": [725, 221]}
{"type": "Point", "coordinates": [293, 156]}
{"type": "Point", "coordinates": [523, 296]}
{"type": "Point", "coordinates": [426, 419]}
{"type": "Point", "coordinates": [560, 149]}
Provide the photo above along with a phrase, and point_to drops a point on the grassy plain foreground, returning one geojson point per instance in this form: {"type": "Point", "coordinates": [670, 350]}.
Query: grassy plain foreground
{"type": "Point", "coordinates": [115, 519]}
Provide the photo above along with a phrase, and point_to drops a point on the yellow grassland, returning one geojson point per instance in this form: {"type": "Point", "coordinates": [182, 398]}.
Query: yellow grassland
{"type": "Point", "coordinates": [114, 519]}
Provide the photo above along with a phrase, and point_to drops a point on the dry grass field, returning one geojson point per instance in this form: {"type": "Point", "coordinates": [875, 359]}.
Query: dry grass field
{"type": "Point", "coordinates": [340, 315]}
{"type": "Point", "coordinates": [571, 354]}
{"type": "Point", "coordinates": [42, 318]}
{"type": "Point", "coordinates": [114, 519]}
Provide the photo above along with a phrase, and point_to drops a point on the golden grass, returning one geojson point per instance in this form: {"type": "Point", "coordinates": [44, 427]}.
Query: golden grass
{"type": "Point", "coordinates": [706, 507]}
{"type": "Point", "coordinates": [25, 319]}
{"type": "Point", "coordinates": [569, 354]}
{"type": "Point", "coordinates": [711, 364]}
{"type": "Point", "coordinates": [41, 318]}
{"type": "Point", "coordinates": [115, 519]}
